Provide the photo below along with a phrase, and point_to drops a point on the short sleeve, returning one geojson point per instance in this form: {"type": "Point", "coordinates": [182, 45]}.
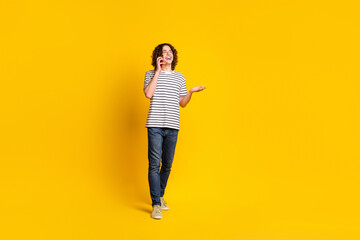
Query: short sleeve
{"type": "Point", "coordinates": [147, 79]}
{"type": "Point", "coordinates": [183, 91]}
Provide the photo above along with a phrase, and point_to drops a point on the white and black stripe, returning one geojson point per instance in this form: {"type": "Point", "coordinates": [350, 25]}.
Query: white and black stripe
{"type": "Point", "coordinates": [164, 105]}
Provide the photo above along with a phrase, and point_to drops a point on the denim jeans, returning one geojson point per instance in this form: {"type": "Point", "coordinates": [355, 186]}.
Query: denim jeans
{"type": "Point", "coordinates": [161, 148]}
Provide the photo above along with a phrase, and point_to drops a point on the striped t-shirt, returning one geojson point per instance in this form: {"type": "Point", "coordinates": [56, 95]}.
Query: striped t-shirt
{"type": "Point", "coordinates": [164, 105]}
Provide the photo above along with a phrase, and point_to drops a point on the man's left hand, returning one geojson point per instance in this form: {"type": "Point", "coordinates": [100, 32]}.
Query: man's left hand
{"type": "Point", "coordinates": [197, 89]}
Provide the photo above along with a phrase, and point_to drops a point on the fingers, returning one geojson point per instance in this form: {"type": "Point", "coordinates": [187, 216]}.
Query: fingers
{"type": "Point", "coordinates": [202, 88]}
{"type": "Point", "coordinates": [199, 88]}
{"type": "Point", "coordinates": [159, 60]}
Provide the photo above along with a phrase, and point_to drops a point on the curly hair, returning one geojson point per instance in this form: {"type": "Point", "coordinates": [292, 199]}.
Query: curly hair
{"type": "Point", "coordinates": [158, 53]}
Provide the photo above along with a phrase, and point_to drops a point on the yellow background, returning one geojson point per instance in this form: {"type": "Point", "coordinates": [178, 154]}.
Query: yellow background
{"type": "Point", "coordinates": [270, 150]}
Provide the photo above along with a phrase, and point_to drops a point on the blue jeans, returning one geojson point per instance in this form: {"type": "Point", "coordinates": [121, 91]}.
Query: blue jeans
{"type": "Point", "coordinates": [161, 146]}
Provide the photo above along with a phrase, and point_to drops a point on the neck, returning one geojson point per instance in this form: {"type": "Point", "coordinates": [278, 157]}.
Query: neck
{"type": "Point", "coordinates": [166, 68]}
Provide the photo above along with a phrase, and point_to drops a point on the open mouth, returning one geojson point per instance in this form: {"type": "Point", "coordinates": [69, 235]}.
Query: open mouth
{"type": "Point", "coordinates": [169, 58]}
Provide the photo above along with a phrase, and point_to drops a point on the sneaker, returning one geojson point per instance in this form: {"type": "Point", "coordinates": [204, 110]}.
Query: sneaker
{"type": "Point", "coordinates": [156, 213]}
{"type": "Point", "coordinates": [163, 204]}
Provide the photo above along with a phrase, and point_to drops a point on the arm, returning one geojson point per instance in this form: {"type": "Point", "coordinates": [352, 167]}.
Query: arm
{"type": "Point", "coordinates": [150, 88]}
{"type": "Point", "coordinates": [183, 101]}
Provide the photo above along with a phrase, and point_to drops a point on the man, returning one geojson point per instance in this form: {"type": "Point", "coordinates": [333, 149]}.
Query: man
{"type": "Point", "coordinates": [166, 89]}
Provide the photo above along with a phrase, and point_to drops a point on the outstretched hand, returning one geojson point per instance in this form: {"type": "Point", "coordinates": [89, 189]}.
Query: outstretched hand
{"type": "Point", "coordinates": [197, 89]}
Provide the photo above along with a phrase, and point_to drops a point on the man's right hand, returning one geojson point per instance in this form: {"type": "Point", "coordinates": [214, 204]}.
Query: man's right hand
{"type": "Point", "coordinates": [159, 63]}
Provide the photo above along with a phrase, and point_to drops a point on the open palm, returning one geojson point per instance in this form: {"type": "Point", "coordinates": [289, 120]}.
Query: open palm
{"type": "Point", "coordinates": [197, 89]}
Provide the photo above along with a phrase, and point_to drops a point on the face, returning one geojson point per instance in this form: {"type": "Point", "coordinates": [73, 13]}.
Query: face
{"type": "Point", "coordinates": [167, 54]}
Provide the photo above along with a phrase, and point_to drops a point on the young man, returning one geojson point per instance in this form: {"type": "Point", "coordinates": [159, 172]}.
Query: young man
{"type": "Point", "coordinates": [166, 89]}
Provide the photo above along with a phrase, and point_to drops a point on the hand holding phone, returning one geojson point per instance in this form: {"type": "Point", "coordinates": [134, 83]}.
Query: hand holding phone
{"type": "Point", "coordinates": [159, 62]}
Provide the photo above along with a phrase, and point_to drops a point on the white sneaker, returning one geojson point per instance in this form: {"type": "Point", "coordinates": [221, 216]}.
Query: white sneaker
{"type": "Point", "coordinates": [163, 204]}
{"type": "Point", "coordinates": [156, 213]}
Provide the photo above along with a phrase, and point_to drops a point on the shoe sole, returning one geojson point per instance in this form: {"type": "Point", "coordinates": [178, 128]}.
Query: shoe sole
{"type": "Point", "coordinates": [165, 208]}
